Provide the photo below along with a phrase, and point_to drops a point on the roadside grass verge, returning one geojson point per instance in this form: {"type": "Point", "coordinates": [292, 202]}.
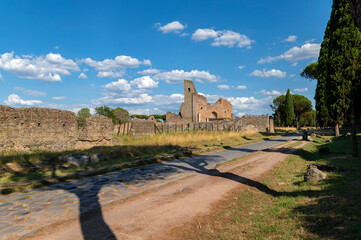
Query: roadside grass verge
{"type": "Point", "coordinates": [24, 170]}
{"type": "Point", "coordinates": [292, 208]}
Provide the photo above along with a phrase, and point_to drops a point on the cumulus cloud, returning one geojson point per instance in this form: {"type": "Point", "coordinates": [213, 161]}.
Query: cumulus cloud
{"type": "Point", "coordinates": [108, 100]}
{"type": "Point", "coordinates": [241, 87]}
{"type": "Point", "coordinates": [175, 27]}
{"type": "Point", "coordinates": [269, 93]}
{"type": "Point", "coordinates": [82, 76]}
{"type": "Point", "coordinates": [115, 67]}
{"type": "Point", "coordinates": [120, 85]}
{"type": "Point", "coordinates": [59, 98]}
{"type": "Point", "coordinates": [146, 111]}
{"type": "Point", "coordinates": [48, 68]}
{"type": "Point", "coordinates": [109, 74]}
{"type": "Point", "coordinates": [29, 92]}
{"type": "Point", "coordinates": [150, 71]}
{"type": "Point", "coordinates": [226, 38]}
{"type": "Point", "coordinates": [144, 82]}
{"type": "Point", "coordinates": [223, 87]}
{"type": "Point", "coordinates": [291, 38]}
{"type": "Point", "coordinates": [204, 34]}
{"type": "Point", "coordinates": [178, 76]}
{"type": "Point", "coordinates": [14, 99]}
{"type": "Point", "coordinates": [306, 51]}
{"type": "Point", "coordinates": [121, 92]}
{"type": "Point", "coordinates": [300, 89]}
{"type": "Point", "coordinates": [174, 99]}
{"type": "Point", "coordinates": [241, 67]}
{"type": "Point", "coordinates": [250, 105]}
{"type": "Point", "coordinates": [268, 73]}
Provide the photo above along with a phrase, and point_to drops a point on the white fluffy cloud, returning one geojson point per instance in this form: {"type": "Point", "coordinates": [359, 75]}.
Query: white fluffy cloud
{"type": "Point", "coordinates": [146, 111]}
{"type": "Point", "coordinates": [144, 82]}
{"type": "Point", "coordinates": [268, 73]}
{"type": "Point", "coordinates": [204, 34]}
{"type": "Point", "coordinates": [223, 87]}
{"type": "Point", "coordinates": [109, 74]}
{"type": "Point", "coordinates": [306, 51]}
{"type": "Point", "coordinates": [59, 98]}
{"type": "Point", "coordinates": [241, 87]}
{"type": "Point", "coordinates": [174, 99]}
{"type": "Point", "coordinates": [291, 38]}
{"type": "Point", "coordinates": [251, 105]}
{"type": "Point", "coordinates": [178, 76]}
{"type": "Point", "coordinates": [226, 38]}
{"type": "Point", "coordinates": [14, 99]}
{"type": "Point", "coordinates": [82, 76]}
{"type": "Point", "coordinates": [150, 71]}
{"type": "Point", "coordinates": [115, 67]}
{"type": "Point", "coordinates": [108, 100]}
{"type": "Point", "coordinates": [175, 27]}
{"type": "Point", "coordinates": [300, 89]}
{"type": "Point", "coordinates": [269, 93]}
{"type": "Point", "coordinates": [48, 68]}
{"type": "Point", "coordinates": [241, 67]}
{"type": "Point", "coordinates": [29, 92]}
{"type": "Point", "coordinates": [120, 85]}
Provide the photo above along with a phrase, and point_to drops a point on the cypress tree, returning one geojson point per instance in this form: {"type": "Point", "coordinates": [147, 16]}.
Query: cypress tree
{"type": "Point", "coordinates": [339, 66]}
{"type": "Point", "coordinates": [289, 109]}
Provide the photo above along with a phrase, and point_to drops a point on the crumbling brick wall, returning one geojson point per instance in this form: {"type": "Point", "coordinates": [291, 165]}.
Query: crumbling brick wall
{"type": "Point", "coordinates": [49, 129]}
{"type": "Point", "coordinates": [96, 129]}
{"type": "Point", "coordinates": [142, 127]}
{"type": "Point", "coordinates": [37, 128]}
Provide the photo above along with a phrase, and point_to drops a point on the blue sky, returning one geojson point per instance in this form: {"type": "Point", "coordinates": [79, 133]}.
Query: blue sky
{"type": "Point", "coordinates": [136, 54]}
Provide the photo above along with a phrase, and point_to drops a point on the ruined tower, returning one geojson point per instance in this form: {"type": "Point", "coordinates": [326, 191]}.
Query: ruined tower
{"type": "Point", "coordinates": [195, 107]}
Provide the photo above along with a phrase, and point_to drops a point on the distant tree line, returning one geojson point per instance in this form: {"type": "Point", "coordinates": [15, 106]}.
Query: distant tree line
{"type": "Point", "coordinates": [117, 115]}
{"type": "Point", "coordinates": [293, 110]}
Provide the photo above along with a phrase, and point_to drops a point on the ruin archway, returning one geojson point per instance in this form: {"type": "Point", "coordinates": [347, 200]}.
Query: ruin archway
{"type": "Point", "coordinates": [214, 115]}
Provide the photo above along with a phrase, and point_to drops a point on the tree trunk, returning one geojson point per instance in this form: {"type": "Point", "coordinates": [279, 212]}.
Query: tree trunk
{"type": "Point", "coordinates": [297, 122]}
{"type": "Point", "coordinates": [337, 130]}
{"type": "Point", "coordinates": [356, 9]}
{"type": "Point", "coordinates": [353, 132]}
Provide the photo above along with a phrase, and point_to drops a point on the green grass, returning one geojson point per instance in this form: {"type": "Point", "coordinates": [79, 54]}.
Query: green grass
{"type": "Point", "coordinates": [294, 209]}
{"type": "Point", "coordinates": [22, 170]}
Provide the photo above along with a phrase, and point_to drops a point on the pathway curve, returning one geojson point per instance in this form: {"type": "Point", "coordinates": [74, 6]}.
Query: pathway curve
{"type": "Point", "coordinates": [23, 214]}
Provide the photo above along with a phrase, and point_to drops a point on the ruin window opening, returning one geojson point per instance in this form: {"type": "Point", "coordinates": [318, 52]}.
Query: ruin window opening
{"type": "Point", "coordinates": [39, 124]}
{"type": "Point", "coordinates": [189, 89]}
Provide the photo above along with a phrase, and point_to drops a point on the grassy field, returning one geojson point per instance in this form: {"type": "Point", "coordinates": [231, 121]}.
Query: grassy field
{"type": "Point", "coordinates": [22, 170]}
{"type": "Point", "coordinates": [292, 208]}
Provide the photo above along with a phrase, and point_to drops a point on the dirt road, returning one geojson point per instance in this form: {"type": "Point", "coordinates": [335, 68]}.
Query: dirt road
{"type": "Point", "coordinates": [156, 214]}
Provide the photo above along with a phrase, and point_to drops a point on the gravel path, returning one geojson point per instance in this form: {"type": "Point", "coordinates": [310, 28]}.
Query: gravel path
{"type": "Point", "coordinates": [23, 214]}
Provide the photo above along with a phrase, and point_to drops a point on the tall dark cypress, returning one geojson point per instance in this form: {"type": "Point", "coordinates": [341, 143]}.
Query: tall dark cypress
{"type": "Point", "coordinates": [340, 65]}
{"type": "Point", "coordinates": [289, 109]}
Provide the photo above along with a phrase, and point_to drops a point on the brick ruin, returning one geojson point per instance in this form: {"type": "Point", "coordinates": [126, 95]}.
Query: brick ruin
{"type": "Point", "coordinates": [50, 129]}
{"type": "Point", "coordinates": [196, 108]}
{"type": "Point", "coordinates": [196, 113]}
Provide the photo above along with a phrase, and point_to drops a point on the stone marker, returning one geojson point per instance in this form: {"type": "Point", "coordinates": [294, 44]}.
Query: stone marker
{"type": "Point", "coordinates": [314, 174]}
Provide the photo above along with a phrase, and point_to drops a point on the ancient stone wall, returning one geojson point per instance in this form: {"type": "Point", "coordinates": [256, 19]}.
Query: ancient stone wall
{"type": "Point", "coordinates": [246, 123]}
{"type": "Point", "coordinates": [173, 118]}
{"type": "Point", "coordinates": [142, 127]}
{"type": "Point", "coordinates": [48, 129]}
{"type": "Point", "coordinates": [37, 128]}
{"type": "Point", "coordinates": [96, 129]}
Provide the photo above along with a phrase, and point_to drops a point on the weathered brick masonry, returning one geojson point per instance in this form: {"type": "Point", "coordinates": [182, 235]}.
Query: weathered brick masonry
{"type": "Point", "coordinates": [50, 129]}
